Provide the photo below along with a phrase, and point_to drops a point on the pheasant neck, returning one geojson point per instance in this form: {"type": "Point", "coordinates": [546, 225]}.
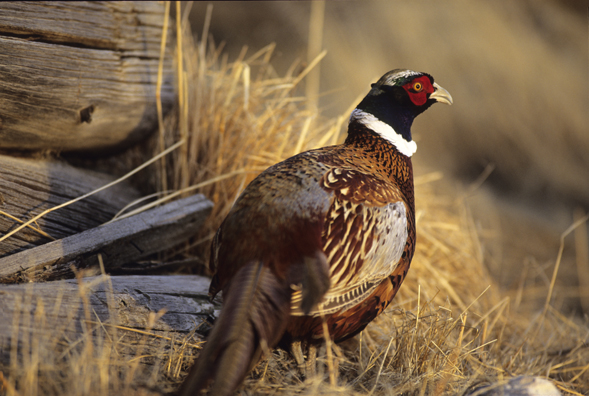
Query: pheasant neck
{"type": "Point", "coordinates": [396, 130]}
{"type": "Point", "coordinates": [384, 157]}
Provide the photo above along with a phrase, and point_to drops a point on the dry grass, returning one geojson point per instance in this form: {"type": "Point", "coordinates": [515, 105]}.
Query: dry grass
{"type": "Point", "coordinates": [241, 118]}
{"type": "Point", "coordinates": [449, 329]}
{"type": "Point", "coordinates": [80, 355]}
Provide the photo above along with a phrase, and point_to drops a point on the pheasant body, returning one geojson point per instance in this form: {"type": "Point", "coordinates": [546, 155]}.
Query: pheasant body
{"type": "Point", "coordinates": [328, 234]}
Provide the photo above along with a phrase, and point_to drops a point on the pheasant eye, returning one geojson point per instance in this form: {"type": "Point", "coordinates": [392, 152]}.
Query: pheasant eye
{"type": "Point", "coordinates": [418, 86]}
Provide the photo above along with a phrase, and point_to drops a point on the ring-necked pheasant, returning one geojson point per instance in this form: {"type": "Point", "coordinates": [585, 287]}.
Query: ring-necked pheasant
{"type": "Point", "coordinates": [325, 235]}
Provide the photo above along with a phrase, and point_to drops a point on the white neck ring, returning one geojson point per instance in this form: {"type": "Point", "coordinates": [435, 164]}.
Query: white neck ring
{"type": "Point", "coordinates": [385, 131]}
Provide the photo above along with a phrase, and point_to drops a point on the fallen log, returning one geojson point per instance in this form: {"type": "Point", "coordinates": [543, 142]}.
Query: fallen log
{"type": "Point", "coordinates": [119, 242]}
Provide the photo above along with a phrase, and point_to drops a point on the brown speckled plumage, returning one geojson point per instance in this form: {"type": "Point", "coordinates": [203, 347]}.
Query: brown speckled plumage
{"type": "Point", "coordinates": [327, 233]}
{"type": "Point", "coordinates": [375, 179]}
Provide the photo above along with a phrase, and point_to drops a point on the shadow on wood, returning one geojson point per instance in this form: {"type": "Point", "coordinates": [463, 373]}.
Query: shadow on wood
{"type": "Point", "coordinates": [30, 186]}
{"type": "Point", "coordinates": [119, 242]}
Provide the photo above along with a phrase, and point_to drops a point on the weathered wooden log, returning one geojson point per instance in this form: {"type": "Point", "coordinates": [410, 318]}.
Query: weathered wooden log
{"type": "Point", "coordinates": [64, 311]}
{"type": "Point", "coordinates": [80, 75]}
{"type": "Point", "coordinates": [119, 242]}
{"type": "Point", "coordinates": [31, 186]}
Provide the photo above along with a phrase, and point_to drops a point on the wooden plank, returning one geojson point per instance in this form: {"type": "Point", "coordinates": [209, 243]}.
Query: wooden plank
{"type": "Point", "coordinates": [58, 311]}
{"type": "Point", "coordinates": [31, 186]}
{"type": "Point", "coordinates": [120, 242]}
{"type": "Point", "coordinates": [80, 76]}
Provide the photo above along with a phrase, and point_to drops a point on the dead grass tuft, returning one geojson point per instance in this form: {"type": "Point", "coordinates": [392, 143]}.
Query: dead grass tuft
{"type": "Point", "coordinates": [237, 118]}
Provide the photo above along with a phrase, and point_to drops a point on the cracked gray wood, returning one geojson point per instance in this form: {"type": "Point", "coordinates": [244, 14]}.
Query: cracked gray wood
{"type": "Point", "coordinates": [81, 75]}
{"type": "Point", "coordinates": [119, 242]}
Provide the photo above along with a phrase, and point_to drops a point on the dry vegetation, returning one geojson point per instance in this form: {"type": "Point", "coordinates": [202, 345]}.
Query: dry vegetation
{"type": "Point", "coordinates": [449, 330]}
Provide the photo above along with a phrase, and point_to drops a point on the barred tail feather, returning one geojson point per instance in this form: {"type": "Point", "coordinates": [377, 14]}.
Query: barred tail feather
{"type": "Point", "coordinates": [254, 317]}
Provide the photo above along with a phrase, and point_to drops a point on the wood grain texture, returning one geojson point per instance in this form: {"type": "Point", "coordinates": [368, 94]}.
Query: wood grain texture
{"type": "Point", "coordinates": [57, 309]}
{"type": "Point", "coordinates": [119, 242]}
{"type": "Point", "coordinates": [31, 186]}
{"type": "Point", "coordinates": [122, 24]}
{"type": "Point", "coordinates": [80, 75]}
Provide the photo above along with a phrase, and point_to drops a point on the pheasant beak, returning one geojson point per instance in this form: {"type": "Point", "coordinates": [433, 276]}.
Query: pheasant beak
{"type": "Point", "coordinates": [441, 95]}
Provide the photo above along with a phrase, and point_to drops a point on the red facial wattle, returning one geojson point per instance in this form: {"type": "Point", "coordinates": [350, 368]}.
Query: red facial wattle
{"type": "Point", "coordinates": [418, 90]}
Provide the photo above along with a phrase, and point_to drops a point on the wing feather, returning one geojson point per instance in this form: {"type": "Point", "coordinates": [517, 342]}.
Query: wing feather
{"type": "Point", "coordinates": [366, 223]}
